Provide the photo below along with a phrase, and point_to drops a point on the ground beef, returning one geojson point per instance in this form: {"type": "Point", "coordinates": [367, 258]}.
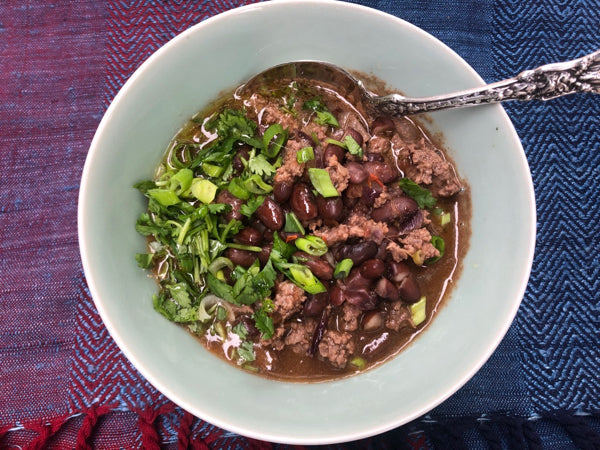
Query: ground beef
{"type": "Point", "coordinates": [379, 145]}
{"type": "Point", "coordinates": [339, 174]}
{"type": "Point", "coordinates": [336, 347]}
{"type": "Point", "coordinates": [348, 320]}
{"type": "Point", "coordinates": [422, 163]}
{"type": "Point", "coordinates": [357, 225]}
{"type": "Point", "coordinates": [300, 335]}
{"type": "Point", "coordinates": [398, 316]}
{"type": "Point", "coordinates": [267, 112]}
{"type": "Point", "coordinates": [408, 245]}
{"type": "Point", "coordinates": [288, 300]}
{"type": "Point", "coordinates": [290, 168]}
{"type": "Point", "coordinates": [276, 342]}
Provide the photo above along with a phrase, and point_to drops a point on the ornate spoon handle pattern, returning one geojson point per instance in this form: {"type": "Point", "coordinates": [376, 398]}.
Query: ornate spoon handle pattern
{"type": "Point", "coordinates": [542, 83]}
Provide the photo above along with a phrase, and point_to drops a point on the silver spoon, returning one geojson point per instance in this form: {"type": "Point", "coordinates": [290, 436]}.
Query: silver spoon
{"type": "Point", "coordinates": [543, 83]}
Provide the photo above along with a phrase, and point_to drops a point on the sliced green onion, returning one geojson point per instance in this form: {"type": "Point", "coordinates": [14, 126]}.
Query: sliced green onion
{"type": "Point", "coordinates": [342, 269]}
{"type": "Point", "coordinates": [315, 139]}
{"type": "Point", "coordinates": [445, 219]}
{"type": "Point", "coordinates": [183, 231]}
{"type": "Point", "coordinates": [250, 248]}
{"type": "Point", "coordinates": [313, 245]}
{"type": "Point", "coordinates": [204, 190]}
{"type": "Point", "coordinates": [418, 311]}
{"type": "Point", "coordinates": [335, 142]}
{"type": "Point", "coordinates": [437, 242]}
{"type": "Point", "coordinates": [292, 224]}
{"type": "Point", "coordinates": [305, 154]}
{"type": "Point", "coordinates": [303, 277]}
{"type": "Point", "coordinates": [326, 118]}
{"type": "Point", "coordinates": [256, 185]}
{"type": "Point", "coordinates": [218, 264]}
{"type": "Point", "coordinates": [321, 181]}
{"type": "Point", "coordinates": [358, 362]}
{"type": "Point", "coordinates": [236, 187]}
{"type": "Point", "coordinates": [278, 135]}
{"type": "Point", "coordinates": [353, 146]}
{"type": "Point", "coordinates": [181, 181]}
{"type": "Point", "coordinates": [212, 170]}
{"type": "Point", "coordinates": [165, 197]}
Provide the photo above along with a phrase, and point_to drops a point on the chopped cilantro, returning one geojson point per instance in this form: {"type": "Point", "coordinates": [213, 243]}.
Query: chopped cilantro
{"type": "Point", "coordinates": [419, 194]}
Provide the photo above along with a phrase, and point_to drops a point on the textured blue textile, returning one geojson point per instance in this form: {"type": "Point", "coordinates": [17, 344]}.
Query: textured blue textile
{"type": "Point", "coordinates": [60, 65]}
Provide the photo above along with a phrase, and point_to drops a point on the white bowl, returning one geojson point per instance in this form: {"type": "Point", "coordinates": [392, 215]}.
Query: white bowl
{"type": "Point", "coordinates": [220, 53]}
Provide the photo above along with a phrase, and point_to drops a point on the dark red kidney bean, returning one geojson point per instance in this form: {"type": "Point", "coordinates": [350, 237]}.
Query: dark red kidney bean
{"type": "Point", "coordinates": [303, 202]}
{"type": "Point", "coordinates": [330, 208]}
{"type": "Point", "coordinates": [282, 190]}
{"type": "Point", "coordinates": [372, 320]}
{"type": "Point", "coordinates": [397, 271]}
{"type": "Point", "coordinates": [238, 165]}
{"type": "Point", "coordinates": [264, 254]}
{"type": "Point", "coordinates": [363, 298]}
{"type": "Point", "coordinates": [356, 172]}
{"type": "Point", "coordinates": [386, 289]}
{"type": "Point", "coordinates": [409, 290]}
{"type": "Point", "coordinates": [383, 171]}
{"type": "Point", "coordinates": [336, 296]}
{"type": "Point", "coordinates": [358, 253]}
{"type": "Point", "coordinates": [305, 138]}
{"type": "Point", "coordinates": [382, 125]}
{"type": "Point", "coordinates": [356, 280]}
{"type": "Point", "coordinates": [399, 208]}
{"type": "Point", "coordinates": [370, 192]}
{"type": "Point", "coordinates": [355, 134]}
{"type": "Point", "coordinates": [350, 202]}
{"type": "Point", "coordinates": [270, 214]}
{"type": "Point", "coordinates": [319, 267]}
{"type": "Point", "coordinates": [336, 150]}
{"type": "Point", "coordinates": [372, 268]}
{"type": "Point", "coordinates": [412, 223]}
{"type": "Point", "coordinates": [239, 257]}
{"type": "Point", "coordinates": [228, 198]}
{"type": "Point", "coordinates": [314, 306]}
{"type": "Point", "coordinates": [374, 157]}
{"type": "Point", "coordinates": [248, 236]}
{"type": "Point", "coordinates": [268, 235]}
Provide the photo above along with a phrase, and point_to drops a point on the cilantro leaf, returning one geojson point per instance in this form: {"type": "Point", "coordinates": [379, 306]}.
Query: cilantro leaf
{"type": "Point", "coordinates": [248, 208]}
{"type": "Point", "coordinates": [246, 352]}
{"type": "Point", "coordinates": [220, 288]}
{"type": "Point", "coordinates": [256, 286]}
{"type": "Point", "coordinates": [259, 165]}
{"type": "Point", "coordinates": [144, 260]}
{"type": "Point", "coordinates": [326, 118]}
{"type": "Point", "coordinates": [262, 320]}
{"type": "Point", "coordinates": [233, 123]}
{"type": "Point", "coordinates": [422, 196]}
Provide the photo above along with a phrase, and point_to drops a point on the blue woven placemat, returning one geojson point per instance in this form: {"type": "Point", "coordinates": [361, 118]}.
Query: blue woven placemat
{"type": "Point", "coordinates": [64, 383]}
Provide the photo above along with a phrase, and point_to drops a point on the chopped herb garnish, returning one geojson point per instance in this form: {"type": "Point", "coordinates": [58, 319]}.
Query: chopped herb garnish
{"type": "Point", "coordinates": [252, 205]}
{"type": "Point", "coordinates": [419, 194]}
{"type": "Point", "coordinates": [321, 181]}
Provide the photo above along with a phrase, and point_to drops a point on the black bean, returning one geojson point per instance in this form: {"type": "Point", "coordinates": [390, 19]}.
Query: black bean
{"type": "Point", "coordinates": [239, 257]}
{"type": "Point", "coordinates": [336, 150]}
{"type": "Point", "coordinates": [319, 267]}
{"type": "Point", "coordinates": [330, 208]}
{"type": "Point", "coordinates": [354, 134]}
{"type": "Point", "coordinates": [372, 320]}
{"type": "Point", "coordinates": [264, 254]}
{"type": "Point", "coordinates": [356, 280]}
{"type": "Point", "coordinates": [372, 268]}
{"type": "Point", "coordinates": [409, 290]}
{"type": "Point", "coordinates": [357, 173]}
{"type": "Point", "coordinates": [228, 198]}
{"type": "Point", "coordinates": [336, 296]}
{"type": "Point", "coordinates": [358, 253]}
{"type": "Point", "coordinates": [314, 306]}
{"type": "Point", "coordinates": [399, 208]}
{"type": "Point", "coordinates": [270, 214]}
{"type": "Point", "coordinates": [382, 125]}
{"type": "Point", "coordinates": [303, 202]}
{"type": "Point", "coordinates": [384, 172]}
{"type": "Point", "coordinates": [248, 236]}
{"type": "Point", "coordinates": [397, 271]}
{"type": "Point", "coordinates": [282, 190]}
{"type": "Point", "coordinates": [363, 298]}
{"type": "Point", "coordinates": [386, 289]}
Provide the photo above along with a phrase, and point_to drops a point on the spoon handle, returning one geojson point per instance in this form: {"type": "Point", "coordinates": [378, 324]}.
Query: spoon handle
{"type": "Point", "coordinates": [543, 83]}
